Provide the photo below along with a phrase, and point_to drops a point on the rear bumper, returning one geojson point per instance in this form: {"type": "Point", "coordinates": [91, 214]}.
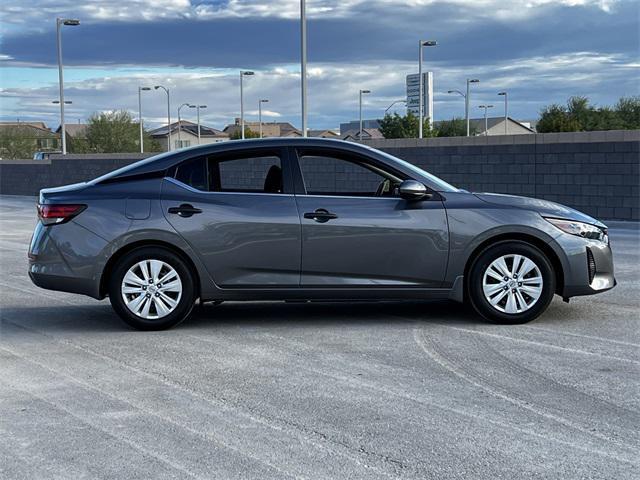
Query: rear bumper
{"type": "Point", "coordinates": [63, 284]}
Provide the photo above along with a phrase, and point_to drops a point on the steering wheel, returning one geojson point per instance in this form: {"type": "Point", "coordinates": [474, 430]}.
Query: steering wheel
{"type": "Point", "coordinates": [383, 188]}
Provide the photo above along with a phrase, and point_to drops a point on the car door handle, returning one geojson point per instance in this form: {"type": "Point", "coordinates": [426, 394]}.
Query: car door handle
{"type": "Point", "coordinates": [320, 215]}
{"type": "Point", "coordinates": [185, 210]}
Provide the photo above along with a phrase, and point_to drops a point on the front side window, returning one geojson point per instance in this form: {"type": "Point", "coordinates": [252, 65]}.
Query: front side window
{"type": "Point", "coordinates": [329, 175]}
{"type": "Point", "coordinates": [251, 174]}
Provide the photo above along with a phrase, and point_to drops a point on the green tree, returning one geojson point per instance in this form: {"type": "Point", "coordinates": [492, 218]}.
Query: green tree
{"type": "Point", "coordinates": [456, 127]}
{"type": "Point", "coordinates": [115, 132]}
{"type": "Point", "coordinates": [248, 133]}
{"type": "Point", "coordinates": [579, 116]}
{"type": "Point", "coordinates": [15, 143]}
{"type": "Point", "coordinates": [628, 110]}
{"type": "Point", "coordinates": [396, 126]}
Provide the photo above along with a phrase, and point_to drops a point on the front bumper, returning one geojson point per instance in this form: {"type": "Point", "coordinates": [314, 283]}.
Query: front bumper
{"type": "Point", "coordinates": [587, 264]}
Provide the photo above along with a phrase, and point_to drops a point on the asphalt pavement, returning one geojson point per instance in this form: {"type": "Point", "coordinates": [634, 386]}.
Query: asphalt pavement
{"type": "Point", "coordinates": [267, 390]}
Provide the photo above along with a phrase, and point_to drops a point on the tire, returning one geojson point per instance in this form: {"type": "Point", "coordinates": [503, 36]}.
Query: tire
{"type": "Point", "coordinates": [153, 308]}
{"type": "Point", "coordinates": [525, 297]}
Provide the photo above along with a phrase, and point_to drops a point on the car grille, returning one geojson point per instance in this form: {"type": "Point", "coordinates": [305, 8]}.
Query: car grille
{"type": "Point", "coordinates": [591, 265]}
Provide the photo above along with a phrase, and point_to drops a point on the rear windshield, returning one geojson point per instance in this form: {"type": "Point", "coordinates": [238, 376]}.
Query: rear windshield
{"type": "Point", "coordinates": [139, 165]}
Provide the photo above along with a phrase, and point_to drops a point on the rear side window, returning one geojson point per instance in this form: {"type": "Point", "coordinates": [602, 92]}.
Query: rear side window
{"type": "Point", "coordinates": [246, 174]}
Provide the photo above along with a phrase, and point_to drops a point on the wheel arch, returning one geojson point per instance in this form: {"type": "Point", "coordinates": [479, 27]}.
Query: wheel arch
{"type": "Point", "coordinates": [125, 249]}
{"type": "Point", "coordinates": [532, 240]}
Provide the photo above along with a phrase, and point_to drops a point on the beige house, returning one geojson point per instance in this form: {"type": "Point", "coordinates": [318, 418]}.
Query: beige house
{"type": "Point", "coordinates": [269, 129]}
{"type": "Point", "coordinates": [495, 126]}
{"type": "Point", "coordinates": [186, 135]}
{"type": "Point", "coordinates": [23, 139]}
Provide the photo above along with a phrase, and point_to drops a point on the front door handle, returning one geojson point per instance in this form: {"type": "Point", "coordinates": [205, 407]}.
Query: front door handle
{"type": "Point", "coordinates": [321, 215]}
{"type": "Point", "coordinates": [185, 210]}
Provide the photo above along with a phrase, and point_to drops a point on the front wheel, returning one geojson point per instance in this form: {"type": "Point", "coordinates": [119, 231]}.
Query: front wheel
{"type": "Point", "coordinates": [512, 282]}
{"type": "Point", "coordinates": [152, 289]}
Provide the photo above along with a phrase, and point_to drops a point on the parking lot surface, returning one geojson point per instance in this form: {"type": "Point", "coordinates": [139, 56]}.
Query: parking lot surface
{"type": "Point", "coordinates": [317, 390]}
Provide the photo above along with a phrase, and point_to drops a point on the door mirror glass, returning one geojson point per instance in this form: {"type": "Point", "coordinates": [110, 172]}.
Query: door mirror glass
{"type": "Point", "coordinates": [413, 190]}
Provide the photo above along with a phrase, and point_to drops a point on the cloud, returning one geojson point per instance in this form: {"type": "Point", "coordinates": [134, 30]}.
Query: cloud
{"type": "Point", "coordinates": [333, 90]}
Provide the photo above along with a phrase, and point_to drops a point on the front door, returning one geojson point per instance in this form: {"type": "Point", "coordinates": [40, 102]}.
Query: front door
{"type": "Point", "coordinates": [238, 213]}
{"type": "Point", "coordinates": [356, 230]}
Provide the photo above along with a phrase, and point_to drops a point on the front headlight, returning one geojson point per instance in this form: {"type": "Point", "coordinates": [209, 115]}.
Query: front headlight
{"type": "Point", "coordinates": [581, 229]}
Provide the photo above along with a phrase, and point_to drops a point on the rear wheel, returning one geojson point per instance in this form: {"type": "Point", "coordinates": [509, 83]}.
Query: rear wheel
{"type": "Point", "coordinates": [152, 289]}
{"type": "Point", "coordinates": [510, 283]}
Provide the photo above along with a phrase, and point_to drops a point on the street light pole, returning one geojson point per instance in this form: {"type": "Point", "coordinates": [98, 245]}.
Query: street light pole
{"type": "Point", "coordinates": [486, 124]}
{"type": "Point", "coordinates": [360, 132]}
{"type": "Point", "coordinates": [260, 102]}
{"type": "Point", "coordinates": [466, 100]}
{"type": "Point", "coordinates": [140, 116]}
{"type": "Point", "coordinates": [59, 23]}
{"type": "Point", "coordinates": [180, 122]}
{"type": "Point", "coordinates": [506, 114]}
{"type": "Point", "coordinates": [422, 43]}
{"type": "Point", "coordinates": [242, 74]}
{"type": "Point", "coordinates": [303, 64]}
{"type": "Point", "coordinates": [397, 101]}
{"type": "Point", "coordinates": [166, 90]}
{"type": "Point", "coordinates": [198, 107]}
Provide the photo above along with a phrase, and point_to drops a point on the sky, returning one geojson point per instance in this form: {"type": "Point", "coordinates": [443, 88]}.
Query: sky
{"type": "Point", "coordinates": [540, 51]}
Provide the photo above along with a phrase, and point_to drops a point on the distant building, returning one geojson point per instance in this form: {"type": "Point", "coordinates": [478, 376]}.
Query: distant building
{"type": "Point", "coordinates": [367, 134]}
{"type": "Point", "coordinates": [269, 129]}
{"type": "Point", "coordinates": [187, 135]}
{"type": "Point", "coordinates": [74, 130]}
{"type": "Point", "coordinates": [31, 136]}
{"type": "Point", "coordinates": [355, 125]}
{"type": "Point", "coordinates": [323, 134]}
{"type": "Point", "coordinates": [495, 126]}
{"type": "Point", "coordinates": [413, 94]}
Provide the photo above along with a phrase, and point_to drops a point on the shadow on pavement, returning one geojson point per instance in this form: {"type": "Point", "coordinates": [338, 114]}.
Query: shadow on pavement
{"type": "Point", "coordinates": [100, 318]}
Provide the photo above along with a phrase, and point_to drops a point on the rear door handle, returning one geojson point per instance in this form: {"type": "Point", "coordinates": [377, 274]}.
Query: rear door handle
{"type": "Point", "coordinates": [320, 215]}
{"type": "Point", "coordinates": [185, 210]}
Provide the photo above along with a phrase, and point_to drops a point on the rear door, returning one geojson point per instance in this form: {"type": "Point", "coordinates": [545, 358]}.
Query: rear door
{"type": "Point", "coordinates": [238, 212]}
{"type": "Point", "coordinates": [356, 230]}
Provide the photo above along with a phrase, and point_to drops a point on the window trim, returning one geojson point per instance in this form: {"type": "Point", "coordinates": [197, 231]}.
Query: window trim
{"type": "Point", "coordinates": [296, 153]}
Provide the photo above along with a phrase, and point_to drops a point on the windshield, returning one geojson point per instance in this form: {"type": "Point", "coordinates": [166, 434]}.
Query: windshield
{"type": "Point", "coordinates": [439, 184]}
{"type": "Point", "coordinates": [127, 168]}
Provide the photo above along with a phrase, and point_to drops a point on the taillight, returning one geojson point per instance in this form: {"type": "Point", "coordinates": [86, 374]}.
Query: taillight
{"type": "Point", "coordinates": [55, 214]}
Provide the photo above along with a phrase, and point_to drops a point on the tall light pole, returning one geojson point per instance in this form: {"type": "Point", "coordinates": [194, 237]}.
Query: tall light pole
{"type": "Point", "coordinates": [486, 124]}
{"type": "Point", "coordinates": [360, 132]}
{"type": "Point", "coordinates": [396, 101]}
{"type": "Point", "coordinates": [466, 100]}
{"type": "Point", "coordinates": [71, 22]}
{"type": "Point", "coordinates": [242, 74]}
{"type": "Point", "coordinates": [260, 102]}
{"type": "Point", "coordinates": [140, 89]}
{"type": "Point", "coordinates": [506, 112]}
{"type": "Point", "coordinates": [303, 64]}
{"type": "Point", "coordinates": [180, 121]}
{"type": "Point", "coordinates": [198, 107]}
{"type": "Point", "coordinates": [422, 43]}
{"type": "Point", "coordinates": [166, 90]}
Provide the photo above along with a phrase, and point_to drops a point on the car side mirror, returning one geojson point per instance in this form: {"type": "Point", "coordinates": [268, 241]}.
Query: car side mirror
{"type": "Point", "coordinates": [413, 190]}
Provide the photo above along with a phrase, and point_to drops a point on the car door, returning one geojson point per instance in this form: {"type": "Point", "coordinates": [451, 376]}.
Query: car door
{"type": "Point", "coordinates": [356, 230]}
{"type": "Point", "coordinates": [238, 212]}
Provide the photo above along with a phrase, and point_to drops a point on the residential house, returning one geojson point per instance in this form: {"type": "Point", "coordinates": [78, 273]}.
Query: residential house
{"type": "Point", "coordinates": [269, 129]}
{"type": "Point", "coordinates": [186, 135]}
{"type": "Point", "coordinates": [355, 125]}
{"type": "Point", "coordinates": [323, 134]}
{"type": "Point", "coordinates": [367, 134]}
{"type": "Point", "coordinates": [495, 126]}
{"type": "Point", "coordinates": [23, 139]}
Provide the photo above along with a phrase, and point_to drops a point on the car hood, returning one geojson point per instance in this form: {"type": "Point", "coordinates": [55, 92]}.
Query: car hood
{"type": "Point", "coordinates": [543, 207]}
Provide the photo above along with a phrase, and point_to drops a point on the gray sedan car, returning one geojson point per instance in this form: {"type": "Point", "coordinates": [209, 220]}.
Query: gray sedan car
{"type": "Point", "coordinates": [307, 219]}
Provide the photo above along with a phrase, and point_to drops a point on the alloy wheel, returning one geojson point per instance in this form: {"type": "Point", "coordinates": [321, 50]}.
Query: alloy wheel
{"type": "Point", "coordinates": [151, 289]}
{"type": "Point", "coordinates": [512, 283]}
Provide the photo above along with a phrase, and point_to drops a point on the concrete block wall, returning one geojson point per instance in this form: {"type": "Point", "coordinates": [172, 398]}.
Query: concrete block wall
{"type": "Point", "coordinates": [595, 172]}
